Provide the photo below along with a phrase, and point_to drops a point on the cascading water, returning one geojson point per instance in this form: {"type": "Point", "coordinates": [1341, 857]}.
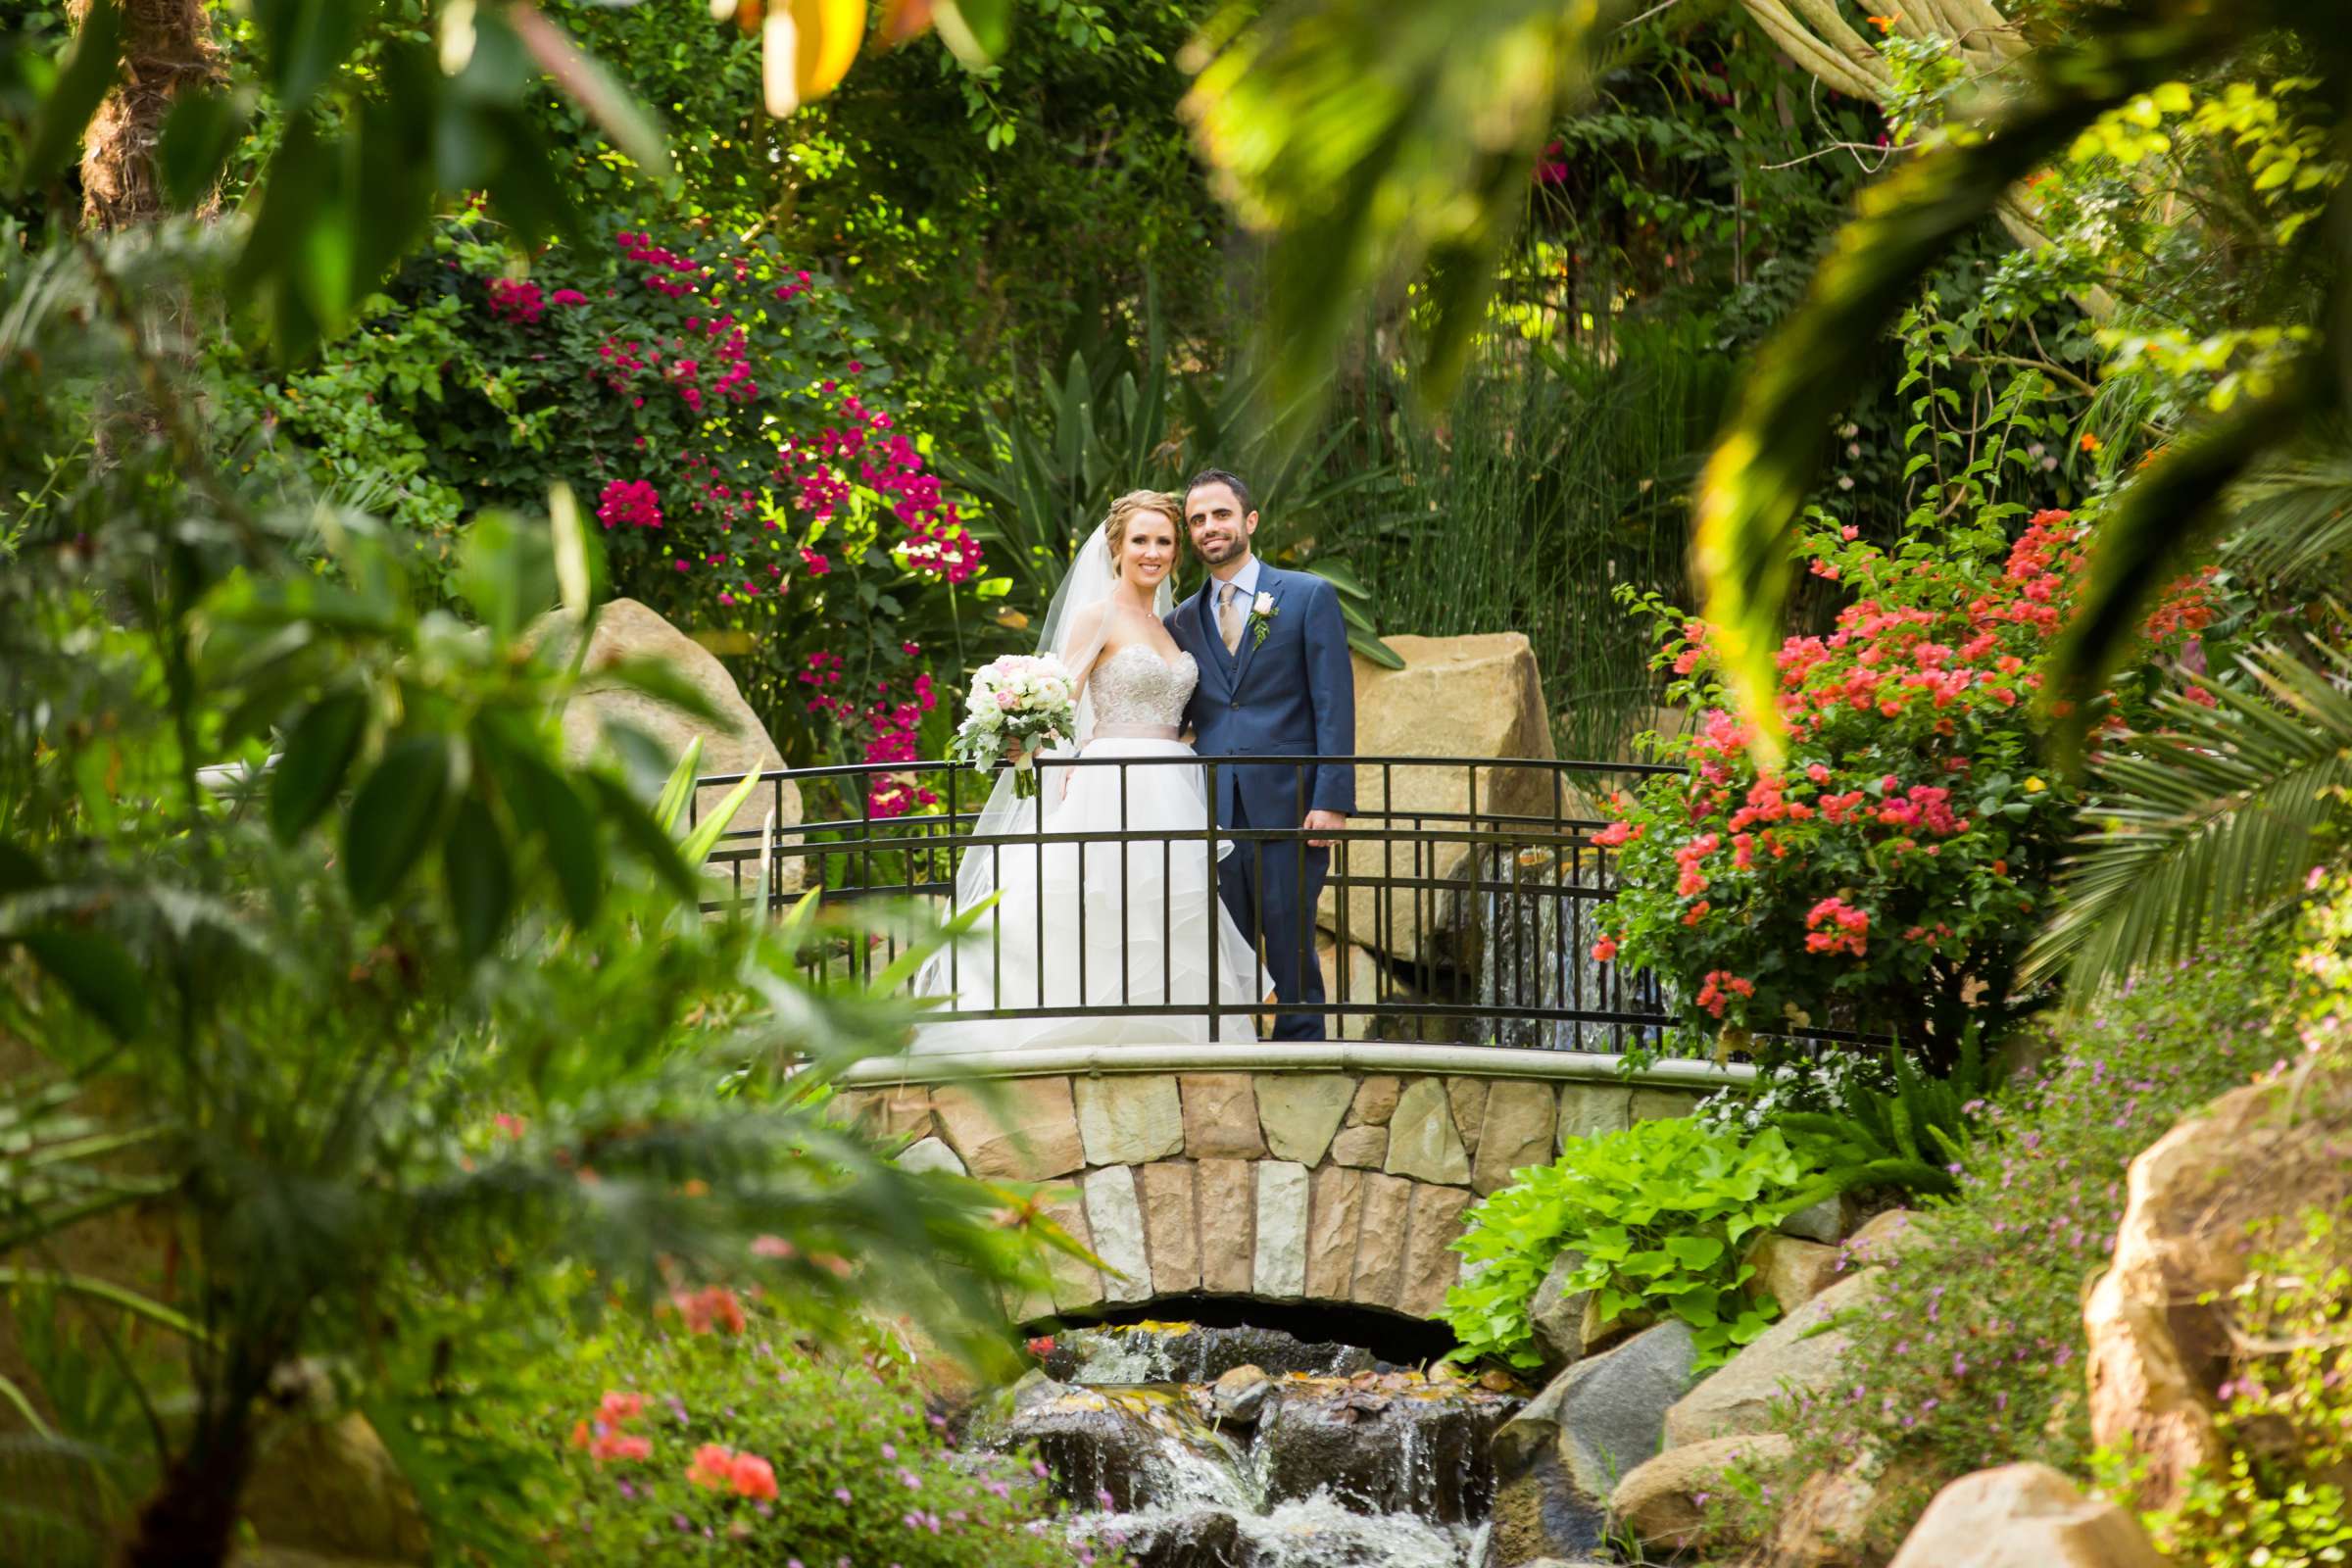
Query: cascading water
{"type": "Point", "coordinates": [1524, 941]}
{"type": "Point", "coordinates": [1202, 1447]}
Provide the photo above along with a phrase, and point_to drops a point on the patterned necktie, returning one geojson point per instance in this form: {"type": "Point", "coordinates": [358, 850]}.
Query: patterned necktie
{"type": "Point", "coordinates": [1229, 619]}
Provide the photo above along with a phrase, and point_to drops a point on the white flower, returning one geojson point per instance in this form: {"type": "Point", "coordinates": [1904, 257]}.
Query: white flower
{"type": "Point", "coordinates": [1264, 605]}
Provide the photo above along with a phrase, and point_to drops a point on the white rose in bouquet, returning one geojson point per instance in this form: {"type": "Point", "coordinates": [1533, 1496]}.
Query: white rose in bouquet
{"type": "Point", "coordinates": [1020, 697]}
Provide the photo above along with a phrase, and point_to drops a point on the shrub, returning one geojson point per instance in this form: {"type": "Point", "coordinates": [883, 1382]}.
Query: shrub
{"type": "Point", "coordinates": [716, 1436]}
{"type": "Point", "coordinates": [1894, 868]}
{"type": "Point", "coordinates": [1971, 1354]}
{"type": "Point", "coordinates": [1661, 1214]}
{"type": "Point", "coordinates": [725, 416]}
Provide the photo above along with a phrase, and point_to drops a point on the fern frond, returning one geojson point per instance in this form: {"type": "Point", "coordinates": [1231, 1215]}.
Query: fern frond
{"type": "Point", "coordinates": [2205, 830]}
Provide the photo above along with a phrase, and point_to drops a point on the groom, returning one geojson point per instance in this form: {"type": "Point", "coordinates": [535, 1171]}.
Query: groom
{"type": "Point", "coordinates": [1275, 682]}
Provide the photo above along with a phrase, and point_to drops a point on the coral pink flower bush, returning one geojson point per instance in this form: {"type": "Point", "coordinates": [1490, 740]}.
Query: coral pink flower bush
{"type": "Point", "coordinates": [746, 1446]}
{"type": "Point", "coordinates": [1893, 870]}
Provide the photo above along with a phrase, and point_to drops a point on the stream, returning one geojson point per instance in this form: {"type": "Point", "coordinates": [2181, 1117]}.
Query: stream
{"type": "Point", "coordinates": [1192, 1446]}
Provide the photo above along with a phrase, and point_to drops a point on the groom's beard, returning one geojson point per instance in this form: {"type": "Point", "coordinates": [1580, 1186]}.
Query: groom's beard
{"type": "Point", "coordinates": [1217, 553]}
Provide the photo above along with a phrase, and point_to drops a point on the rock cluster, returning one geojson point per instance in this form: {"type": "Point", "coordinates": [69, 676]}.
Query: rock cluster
{"type": "Point", "coordinates": [1620, 1439]}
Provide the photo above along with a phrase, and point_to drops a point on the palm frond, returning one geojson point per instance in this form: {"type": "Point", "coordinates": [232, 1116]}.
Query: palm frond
{"type": "Point", "coordinates": [2294, 513]}
{"type": "Point", "coordinates": [2206, 830]}
{"type": "Point", "coordinates": [2150, 535]}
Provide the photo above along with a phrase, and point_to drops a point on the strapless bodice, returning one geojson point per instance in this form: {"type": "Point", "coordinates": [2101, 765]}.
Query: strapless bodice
{"type": "Point", "coordinates": [1136, 686]}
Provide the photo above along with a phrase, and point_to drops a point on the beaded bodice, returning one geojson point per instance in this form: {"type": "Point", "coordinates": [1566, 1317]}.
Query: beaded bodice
{"type": "Point", "coordinates": [1136, 686]}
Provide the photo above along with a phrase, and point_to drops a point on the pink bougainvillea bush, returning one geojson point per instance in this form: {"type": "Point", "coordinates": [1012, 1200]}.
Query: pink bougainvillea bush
{"type": "Point", "coordinates": [725, 419]}
{"type": "Point", "coordinates": [715, 1437]}
{"type": "Point", "coordinates": [1891, 874]}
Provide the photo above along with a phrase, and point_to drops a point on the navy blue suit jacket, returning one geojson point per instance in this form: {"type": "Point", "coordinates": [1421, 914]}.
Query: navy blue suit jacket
{"type": "Point", "coordinates": [1292, 696]}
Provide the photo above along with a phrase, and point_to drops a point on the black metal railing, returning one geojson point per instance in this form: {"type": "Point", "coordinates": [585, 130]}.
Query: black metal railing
{"type": "Point", "coordinates": [1461, 905]}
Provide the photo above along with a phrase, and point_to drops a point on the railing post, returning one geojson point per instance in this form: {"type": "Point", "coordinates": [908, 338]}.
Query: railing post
{"type": "Point", "coordinates": [1217, 994]}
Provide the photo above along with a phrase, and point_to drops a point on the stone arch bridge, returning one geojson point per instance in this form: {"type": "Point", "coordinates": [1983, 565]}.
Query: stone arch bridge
{"type": "Point", "coordinates": [1333, 1174]}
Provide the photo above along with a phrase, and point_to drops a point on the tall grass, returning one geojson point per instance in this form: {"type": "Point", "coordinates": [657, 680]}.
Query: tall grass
{"type": "Point", "coordinates": [1552, 479]}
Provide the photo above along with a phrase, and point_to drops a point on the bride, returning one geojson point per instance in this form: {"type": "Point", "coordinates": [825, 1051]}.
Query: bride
{"type": "Point", "coordinates": [1149, 921]}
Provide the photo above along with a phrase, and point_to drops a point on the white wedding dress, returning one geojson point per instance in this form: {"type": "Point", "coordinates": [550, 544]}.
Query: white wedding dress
{"type": "Point", "coordinates": [1100, 924]}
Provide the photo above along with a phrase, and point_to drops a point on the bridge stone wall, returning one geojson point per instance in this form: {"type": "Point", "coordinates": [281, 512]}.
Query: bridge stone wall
{"type": "Point", "coordinates": [1342, 1186]}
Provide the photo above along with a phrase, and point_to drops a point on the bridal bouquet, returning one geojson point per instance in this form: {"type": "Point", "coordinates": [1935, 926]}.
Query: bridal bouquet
{"type": "Point", "coordinates": [1019, 696]}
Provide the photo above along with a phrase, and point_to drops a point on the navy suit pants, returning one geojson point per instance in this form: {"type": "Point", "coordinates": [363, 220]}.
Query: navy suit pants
{"type": "Point", "coordinates": [1270, 887]}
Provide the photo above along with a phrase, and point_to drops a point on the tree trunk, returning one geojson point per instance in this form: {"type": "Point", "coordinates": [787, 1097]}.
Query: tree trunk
{"type": "Point", "coordinates": [190, 1520]}
{"type": "Point", "coordinates": [167, 46]}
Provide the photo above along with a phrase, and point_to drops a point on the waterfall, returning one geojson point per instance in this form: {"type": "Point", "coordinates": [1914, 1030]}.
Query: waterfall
{"type": "Point", "coordinates": [1199, 1447]}
{"type": "Point", "coordinates": [1526, 941]}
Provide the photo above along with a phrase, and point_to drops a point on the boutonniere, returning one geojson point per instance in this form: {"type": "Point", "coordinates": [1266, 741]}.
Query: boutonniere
{"type": "Point", "coordinates": [1262, 612]}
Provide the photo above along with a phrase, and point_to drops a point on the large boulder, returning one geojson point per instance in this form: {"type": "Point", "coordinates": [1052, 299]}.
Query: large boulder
{"type": "Point", "coordinates": [628, 631]}
{"type": "Point", "coordinates": [1803, 1353]}
{"type": "Point", "coordinates": [1456, 697]}
{"type": "Point", "coordinates": [2023, 1516]}
{"type": "Point", "coordinates": [329, 1488]}
{"type": "Point", "coordinates": [1663, 1501]}
{"type": "Point", "coordinates": [1557, 1314]}
{"type": "Point", "coordinates": [1559, 1459]}
{"type": "Point", "coordinates": [1538, 1515]}
{"type": "Point", "coordinates": [1827, 1520]}
{"type": "Point", "coordinates": [2156, 1324]}
{"type": "Point", "coordinates": [1382, 1443]}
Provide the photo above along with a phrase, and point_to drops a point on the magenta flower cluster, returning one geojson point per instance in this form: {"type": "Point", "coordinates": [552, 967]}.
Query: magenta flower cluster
{"type": "Point", "coordinates": [515, 300]}
{"type": "Point", "coordinates": [629, 504]}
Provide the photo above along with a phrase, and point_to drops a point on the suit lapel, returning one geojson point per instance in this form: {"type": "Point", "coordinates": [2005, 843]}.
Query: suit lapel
{"type": "Point", "coordinates": [1268, 583]}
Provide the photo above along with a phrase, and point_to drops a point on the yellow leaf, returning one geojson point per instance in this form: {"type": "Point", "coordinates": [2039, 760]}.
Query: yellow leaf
{"type": "Point", "coordinates": [830, 33]}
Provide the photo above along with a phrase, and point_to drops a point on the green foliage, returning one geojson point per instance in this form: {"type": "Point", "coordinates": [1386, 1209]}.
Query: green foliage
{"type": "Point", "coordinates": [994, 219]}
{"type": "Point", "coordinates": [2210, 826]}
{"type": "Point", "coordinates": [1909, 1137]}
{"type": "Point", "coordinates": [415, 1039]}
{"type": "Point", "coordinates": [1101, 430]}
{"type": "Point", "coordinates": [1588, 453]}
{"type": "Point", "coordinates": [1757, 479]}
{"type": "Point", "coordinates": [1661, 1216]}
{"type": "Point", "coordinates": [1378, 143]}
{"type": "Point", "coordinates": [831, 1456]}
{"type": "Point", "coordinates": [1971, 1354]}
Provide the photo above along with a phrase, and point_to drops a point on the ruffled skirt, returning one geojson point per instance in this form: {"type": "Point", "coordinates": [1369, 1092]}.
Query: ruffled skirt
{"type": "Point", "coordinates": [1104, 924]}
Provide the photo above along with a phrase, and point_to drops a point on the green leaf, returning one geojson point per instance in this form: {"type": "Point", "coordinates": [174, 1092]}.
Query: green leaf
{"type": "Point", "coordinates": [645, 835]}
{"type": "Point", "coordinates": [1695, 1252]}
{"type": "Point", "coordinates": [81, 86]}
{"type": "Point", "coordinates": [506, 573]}
{"type": "Point", "coordinates": [480, 876]}
{"type": "Point", "coordinates": [304, 41]}
{"type": "Point", "coordinates": [670, 810]}
{"type": "Point", "coordinates": [95, 971]}
{"type": "Point", "coordinates": [319, 752]}
{"type": "Point", "coordinates": [698, 845]}
{"type": "Point", "coordinates": [202, 129]}
{"type": "Point", "coordinates": [632, 129]}
{"type": "Point", "coordinates": [395, 815]}
{"type": "Point", "coordinates": [547, 801]}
